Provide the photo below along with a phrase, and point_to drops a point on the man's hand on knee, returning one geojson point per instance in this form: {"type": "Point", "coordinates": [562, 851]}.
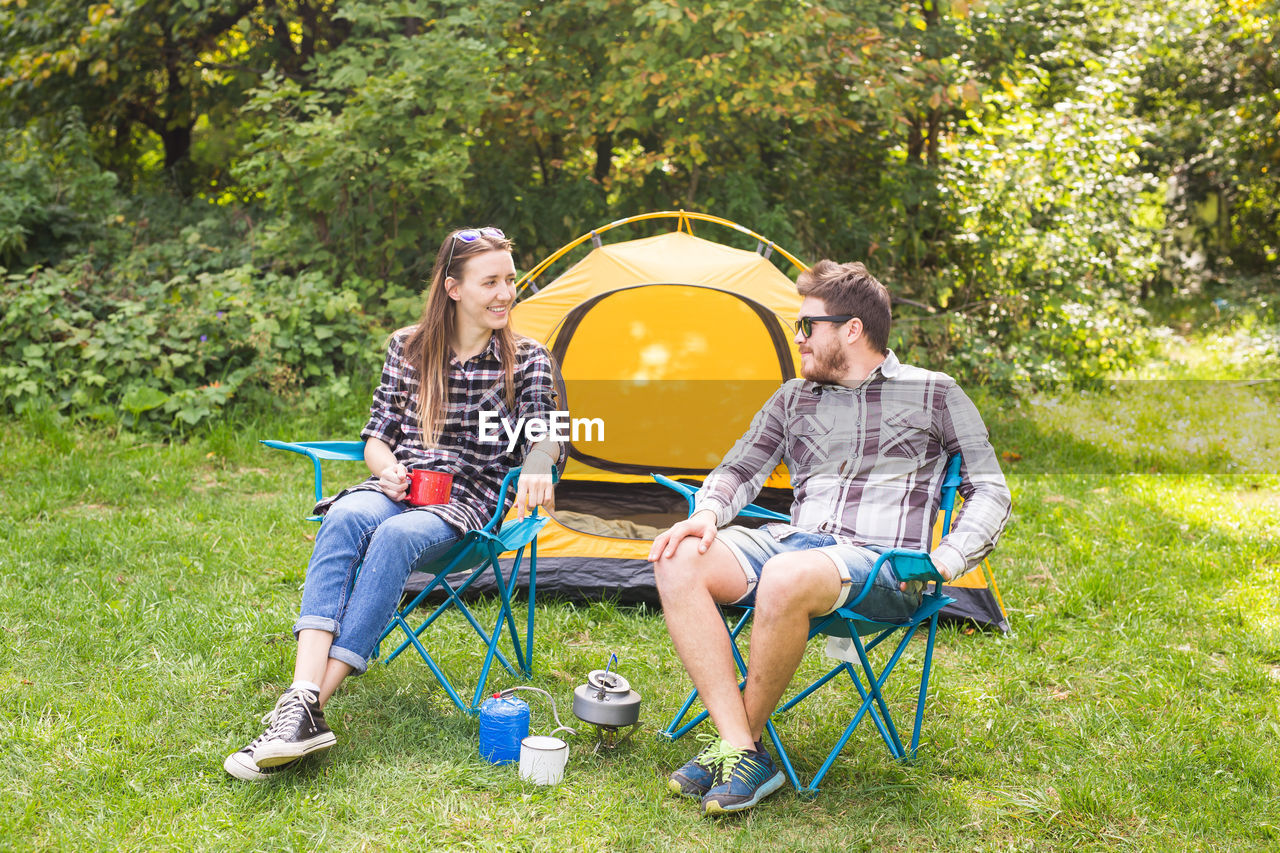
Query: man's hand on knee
{"type": "Point", "coordinates": [701, 525]}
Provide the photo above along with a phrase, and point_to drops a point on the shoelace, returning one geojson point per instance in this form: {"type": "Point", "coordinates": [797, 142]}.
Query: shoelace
{"type": "Point", "coordinates": [727, 756]}
{"type": "Point", "coordinates": [287, 712]}
{"type": "Point", "coordinates": [710, 746]}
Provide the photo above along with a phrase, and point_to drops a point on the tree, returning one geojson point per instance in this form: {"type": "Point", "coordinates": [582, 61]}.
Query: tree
{"type": "Point", "coordinates": [360, 167]}
{"type": "Point", "coordinates": [146, 73]}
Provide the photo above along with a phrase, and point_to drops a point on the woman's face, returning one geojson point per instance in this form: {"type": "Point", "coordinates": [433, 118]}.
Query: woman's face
{"type": "Point", "coordinates": [485, 291]}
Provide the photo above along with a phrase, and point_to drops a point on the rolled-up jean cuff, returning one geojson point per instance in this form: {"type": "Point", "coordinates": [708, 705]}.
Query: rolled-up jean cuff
{"type": "Point", "coordinates": [317, 623]}
{"type": "Point", "coordinates": [350, 658]}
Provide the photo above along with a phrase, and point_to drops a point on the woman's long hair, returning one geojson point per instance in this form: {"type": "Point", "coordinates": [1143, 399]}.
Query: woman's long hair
{"type": "Point", "coordinates": [427, 347]}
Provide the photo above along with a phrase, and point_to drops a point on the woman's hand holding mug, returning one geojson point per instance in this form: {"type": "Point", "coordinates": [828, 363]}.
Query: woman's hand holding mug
{"type": "Point", "coordinates": [394, 481]}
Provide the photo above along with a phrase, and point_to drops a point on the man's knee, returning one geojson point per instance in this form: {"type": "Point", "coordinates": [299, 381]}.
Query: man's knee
{"type": "Point", "coordinates": [804, 581]}
{"type": "Point", "coordinates": [689, 572]}
{"type": "Point", "coordinates": [680, 571]}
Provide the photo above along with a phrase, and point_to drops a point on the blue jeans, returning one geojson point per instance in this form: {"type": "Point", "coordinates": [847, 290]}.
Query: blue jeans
{"type": "Point", "coordinates": [366, 547]}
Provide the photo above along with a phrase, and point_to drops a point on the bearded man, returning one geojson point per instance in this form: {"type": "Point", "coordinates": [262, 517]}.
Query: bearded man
{"type": "Point", "coordinates": [866, 441]}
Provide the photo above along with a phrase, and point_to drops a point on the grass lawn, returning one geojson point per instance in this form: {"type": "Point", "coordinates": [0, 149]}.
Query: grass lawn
{"type": "Point", "coordinates": [148, 591]}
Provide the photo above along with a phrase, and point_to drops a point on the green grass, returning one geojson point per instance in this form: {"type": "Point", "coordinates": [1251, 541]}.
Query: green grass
{"type": "Point", "coordinates": [148, 591]}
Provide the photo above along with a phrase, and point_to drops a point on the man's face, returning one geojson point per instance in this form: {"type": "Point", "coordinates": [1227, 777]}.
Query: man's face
{"type": "Point", "coordinates": [822, 355]}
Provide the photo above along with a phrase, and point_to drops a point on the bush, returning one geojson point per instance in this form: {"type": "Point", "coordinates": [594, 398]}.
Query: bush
{"type": "Point", "coordinates": [52, 192]}
{"type": "Point", "coordinates": [170, 351]}
{"type": "Point", "coordinates": [1050, 240]}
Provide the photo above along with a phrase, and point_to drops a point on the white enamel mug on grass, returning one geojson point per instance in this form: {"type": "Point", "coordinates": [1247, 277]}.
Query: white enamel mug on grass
{"type": "Point", "coordinates": [542, 759]}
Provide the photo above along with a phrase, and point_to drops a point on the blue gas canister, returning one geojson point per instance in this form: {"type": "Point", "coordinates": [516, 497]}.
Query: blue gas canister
{"type": "Point", "coordinates": [504, 722]}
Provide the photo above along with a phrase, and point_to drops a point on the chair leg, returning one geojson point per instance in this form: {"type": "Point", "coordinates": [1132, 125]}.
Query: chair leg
{"type": "Point", "coordinates": [872, 697]}
{"type": "Point", "coordinates": [895, 748]}
{"type": "Point", "coordinates": [533, 584]}
{"type": "Point", "coordinates": [507, 615]}
{"type": "Point", "coordinates": [868, 698]}
{"type": "Point", "coordinates": [491, 651]}
{"type": "Point", "coordinates": [431, 664]}
{"type": "Point", "coordinates": [452, 600]}
{"type": "Point", "coordinates": [924, 686]}
{"type": "Point", "coordinates": [782, 754]}
{"type": "Point", "coordinates": [671, 733]}
{"type": "Point", "coordinates": [866, 707]}
{"type": "Point", "coordinates": [804, 694]}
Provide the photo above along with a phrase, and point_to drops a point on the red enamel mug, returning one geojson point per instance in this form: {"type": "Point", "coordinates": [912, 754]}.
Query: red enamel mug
{"type": "Point", "coordinates": [429, 487]}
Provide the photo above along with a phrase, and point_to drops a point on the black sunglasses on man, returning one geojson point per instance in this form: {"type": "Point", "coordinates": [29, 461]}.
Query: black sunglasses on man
{"type": "Point", "coordinates": [804, 325]}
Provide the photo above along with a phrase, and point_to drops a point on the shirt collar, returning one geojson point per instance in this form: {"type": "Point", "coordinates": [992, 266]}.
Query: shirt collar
{"type": "Point", "coordinates": [491, 352]}
{"type": "Point", "coordinates": [890, 367]}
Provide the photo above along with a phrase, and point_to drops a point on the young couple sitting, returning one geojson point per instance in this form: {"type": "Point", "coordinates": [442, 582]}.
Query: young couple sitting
{"type": "Point", "coordinates": [865, 438]}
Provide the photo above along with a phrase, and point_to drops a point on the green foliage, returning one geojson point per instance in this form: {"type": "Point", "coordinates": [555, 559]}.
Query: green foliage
{"type": "Point", "coordinates": [53, 194]}
{"type": "Point", "coordinates": [360, 167]}
{"type": "Point", "coordinates": [1212, 89]}
{"type": "Point", "coordinates": [145, 74]}
{"type": "Point", "coordinates": [1021, 174]}
{"type": "Point", "coordinates": [1046, 245]}
{"type": "Point", "coordinates": [172, 332]}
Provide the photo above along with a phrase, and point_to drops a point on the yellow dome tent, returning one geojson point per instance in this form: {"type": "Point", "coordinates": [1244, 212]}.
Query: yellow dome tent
{"type": "Point", "coordinates": [667, 346]}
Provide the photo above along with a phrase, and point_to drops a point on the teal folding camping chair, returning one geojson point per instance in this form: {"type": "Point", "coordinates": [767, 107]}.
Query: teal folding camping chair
{"type": "Point", "coordinates": [476, 552]}
{"type": "Point", "coordinates": [848, 628]}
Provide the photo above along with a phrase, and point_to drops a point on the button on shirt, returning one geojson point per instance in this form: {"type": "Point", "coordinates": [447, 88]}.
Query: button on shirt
{"type": "Point", "coordinates": [867, 464]}
{"type": "Point", "coordinates": [474, 386]}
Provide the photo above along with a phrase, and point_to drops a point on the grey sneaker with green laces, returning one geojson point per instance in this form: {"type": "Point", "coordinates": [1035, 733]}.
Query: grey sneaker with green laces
{"type": "Point", "coordinates": [746, 777]}
{"type": "Point", "coordinates": [702, 772]}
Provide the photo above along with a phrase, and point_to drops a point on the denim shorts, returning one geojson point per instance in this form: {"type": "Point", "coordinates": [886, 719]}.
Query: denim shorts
{"type": "Point", "coordinates": [885, 601]}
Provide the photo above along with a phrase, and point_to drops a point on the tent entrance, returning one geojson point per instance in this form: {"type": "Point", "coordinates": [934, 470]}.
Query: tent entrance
{"type": "Point", "coordinates": [637, 511]}
{"type": "Point", "coordinates": [648, 360]}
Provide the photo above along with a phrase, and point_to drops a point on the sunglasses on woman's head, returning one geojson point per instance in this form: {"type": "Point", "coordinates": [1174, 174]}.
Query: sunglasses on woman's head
{"type": "Point", "coordinates": [804, 325]}
{"type": "Point", "coordinates": [470, 235]}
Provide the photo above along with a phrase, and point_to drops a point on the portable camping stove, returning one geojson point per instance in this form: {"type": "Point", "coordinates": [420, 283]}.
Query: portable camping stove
{"type": "Point", "coordinates": [608, 702]}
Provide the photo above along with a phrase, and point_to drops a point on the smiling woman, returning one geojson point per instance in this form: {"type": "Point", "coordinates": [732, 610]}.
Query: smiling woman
{"type": "Point", "coordinates": [460, 360]}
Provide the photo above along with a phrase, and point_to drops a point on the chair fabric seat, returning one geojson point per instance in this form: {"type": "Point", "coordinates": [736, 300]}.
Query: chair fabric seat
{"type": "Point", "coordinates": [841, 627]}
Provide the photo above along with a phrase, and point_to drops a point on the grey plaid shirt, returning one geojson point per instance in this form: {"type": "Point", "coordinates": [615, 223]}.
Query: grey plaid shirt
{"type": "Point", "coordinates": [867, 464]}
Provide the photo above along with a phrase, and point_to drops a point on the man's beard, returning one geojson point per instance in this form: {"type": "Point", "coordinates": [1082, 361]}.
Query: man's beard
{"type": "Point", "coordinates": [826, 366]}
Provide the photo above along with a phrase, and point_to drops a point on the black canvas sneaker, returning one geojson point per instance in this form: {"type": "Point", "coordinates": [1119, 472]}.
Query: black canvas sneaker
{"type": "Point", "coordinates": [296, 728]}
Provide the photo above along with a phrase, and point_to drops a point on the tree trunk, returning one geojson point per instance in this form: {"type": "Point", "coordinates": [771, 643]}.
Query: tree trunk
{"type": "Point", "coordinates": [604, 155]}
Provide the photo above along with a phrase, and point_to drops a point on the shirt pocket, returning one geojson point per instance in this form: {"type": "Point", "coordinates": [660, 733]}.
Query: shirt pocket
{"type": "Point", "coordinates": [905, 435]}
{"type": "Point", "coordinates": [810, 438]}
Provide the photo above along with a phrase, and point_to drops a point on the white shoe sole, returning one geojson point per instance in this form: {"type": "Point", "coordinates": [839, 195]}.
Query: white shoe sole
{"type": "Point", "coordinates": [714, 807]}
{"type": "Point", "coordinates": [275, 754]}
{"type": "Point", "coordinates": [239, 765]}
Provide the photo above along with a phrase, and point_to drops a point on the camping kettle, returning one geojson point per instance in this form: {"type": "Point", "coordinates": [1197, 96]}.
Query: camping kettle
{"type": "Point", "coordinates": [606, 699]}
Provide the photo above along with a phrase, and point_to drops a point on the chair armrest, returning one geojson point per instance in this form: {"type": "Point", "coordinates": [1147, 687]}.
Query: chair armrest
{"type": "Point", "coordinates": [343, 451]}
{"type": "Point", "coordinates": [909, 565]}
{"type": "Point", "coordinates": [687, 492]}
{"type": "Point", "coordinates": [905, 565]}
{"type": "Point", "coordinates": [512, 480]}
{"type": "Point", "coordinates": [683, 489]}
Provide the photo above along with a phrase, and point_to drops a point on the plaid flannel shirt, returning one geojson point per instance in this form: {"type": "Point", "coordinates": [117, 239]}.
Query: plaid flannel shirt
{"type": "Point", "coordinates": [473, 386]}
{"type": "Point", "coordinates": [867, 464]}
